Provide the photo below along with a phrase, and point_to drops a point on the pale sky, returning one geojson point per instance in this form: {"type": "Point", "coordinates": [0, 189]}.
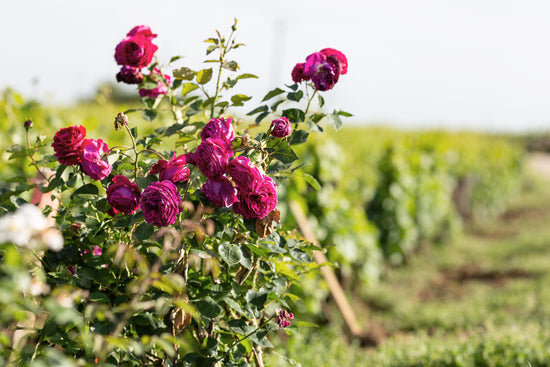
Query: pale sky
{"type": "Point", "coordinates": [474, 64]}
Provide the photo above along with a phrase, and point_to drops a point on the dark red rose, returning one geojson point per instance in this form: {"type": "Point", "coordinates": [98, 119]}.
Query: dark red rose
{"type": "Point", "coordinates": [281, 127]}
{"type": "Point", "coordinates": [219, 129]}
{"type": "Point", "coordinates": [136, 49]}
{"type": "Point", "coordinates": [220, 192]}
{"type": "Point", "coordinates": [244, 174]}
{"type": "Point", "coordinates": [258, 201]}
{"type": "Point", "coordinates": [298, 73]}
{"type": "Point", "coordinates": [68, 144]}
{"type": "Point", "coordinates": [212, 157]}
{"type": "Point", "coordinates": [174, 170]}
{"type": "Point", "coordinates": [160, 203]}
{"type": "Point", "coordinates": [123, 195]}
{"type": "Point", "coordinates": [129, 75]}
{"type": "Point", "coordinates": [337, 55]}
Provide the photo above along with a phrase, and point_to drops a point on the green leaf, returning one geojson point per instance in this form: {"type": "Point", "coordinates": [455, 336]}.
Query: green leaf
{"type": "Point", "coordinates": [188, 87]}
{"type": "Point", "coordinates": [295, 96]}
{"type": "Point", "coordinates": [211, 49]}
{"type": "Point", "coordinates": [257, 110]}
{"type": "Point", "coordinates": [260, 338]}
{"type": "Point", "coordinates": [260, 117]}
{"type": "Point", "coordinates": [209, 308]}
{"type": "Point", "coordinates": [88, 189]}
{"type": "Point", "coordinates": [298, 137]}
{"type": "Point", "coordinates": [343, 113]}
{"type": "Point", "coordinates": [183, 73]}
{"type": "Point", "coordinates": [175, 58]}
{"type": "Point", "coordinates": [335, 121]}
{"type": "Point", "coordinates": [238, 99]}
{"type": "Point", "coordinates": [256, 298]}
{"type": "Point", "coordinates": [149, 115]}
{"type": "Point", "coordinates": [321, 100]}
{"type": "Point", "coordinates": [273, 93]}
{"type": "Point", "coordinates": [212, 40]}
{"type": "Point", "coordinates": [204, 76]}
{"type": "Point", "coordinates": [231, 254]}
{"type": "Point", "coordinates": [98, 297]}
{"type": "Point", "coordinates": [144, 231]}
{"type": "Point", "coordinates": [312, 181]}
{"type": "Point", "coordinates": [294, 115]}
{"type": "Point", "coordinates": [283, 153]}
{"type": "Point", "coordinates": [240, 327]}
{"type": "Point", "coordinates": [316, 117]}
{"type": "Point", "coordinates": [300, 255]}
{"type": "Point", "coordinates": [246, 76]}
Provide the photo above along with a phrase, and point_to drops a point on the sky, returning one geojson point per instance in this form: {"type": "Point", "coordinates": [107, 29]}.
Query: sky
{"type": "Point", "coordinates": [468, 64]}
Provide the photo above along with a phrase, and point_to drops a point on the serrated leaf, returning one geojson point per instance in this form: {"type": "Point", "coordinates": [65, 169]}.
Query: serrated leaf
{"type": "Point", "coordinates": [149, 115]}
{"type": "Point", "coordinates": [175, 58]}
{"type": "Point", "coordinates": [298, 137]}
{"type": "Point", "coordinates": [188, 87]}
{"type": "Point", "coordinates": [283, 153]}
{"type": "Point", "coordinates": [343, 113]}
{"type": "Point", "coordinates": [88, 189]}
{"type": "Point", "coordinates": [238, 99]}
{"type": "Point", "coordinates": [256, 298]}
{"type": "Point", "coordinates": [321, 100]}
{"type": "Point", "coordinates": [260, 117]}
{"type": "Point", "coordinates": [230, 65]}
{"type": "Point", "coordinates": [273, 93]}
{"type": "Point", "coordinates": [335, 121]}
{"type": "Point", "coordinates": [231, 254]}
{"type": "Point", "coordinates": [209, 308]}
{"type": "Point", "coordinates": [299, 255]}
{"type": "Point", "coordinates": [257, 110]}
{"type": "Point", "coordinates": [204, 76]}
{"type": "Point", "coordinates": [144, 231]}
{"type": "Point", "coordinates": [295, 96]}
{"type": "Point", "coordinates": [211, 49]}
{"type": "Point", "coordinates": [246, 76]}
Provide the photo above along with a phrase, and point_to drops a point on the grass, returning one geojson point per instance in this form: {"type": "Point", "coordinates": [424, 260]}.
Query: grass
{"type": "Point", "coordinates": [482, 300]}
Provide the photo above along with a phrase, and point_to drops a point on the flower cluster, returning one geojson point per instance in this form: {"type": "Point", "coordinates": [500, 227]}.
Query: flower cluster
{"type": "Point", "coordinates": [323, 68]}
{"type": "Point", "coordinates": [236, 181]}
{"type": "Point", "coordinates": [72, 148]}
{"type": "Point", "coordinates": [135, 52]}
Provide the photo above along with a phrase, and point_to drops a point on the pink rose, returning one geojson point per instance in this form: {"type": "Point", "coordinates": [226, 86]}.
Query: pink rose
{"type": "Point", "coordinates": [323, 72]}
{"type": "Point", "coordinates": [136, 49]}
{"type": "Point", "coordinates": [340, 57]}
{"type": "Point", "coordinates": [220, 192]}
{"type": "Point", "coordinates": [163, 82]}
{"type": "Point", "coordinates": [244, 174]}
{"type": "Point", "coordinates": [68, 144]}
{"type": "Point", "coordinates": [175, 169]}
{"type": "Point", "coordinates": [92, 161]}
{"type": "Point", "coordinates": [160, 203]}
{"type": "Point", "coordinates": [219, 129]}
{"type": "Point", "coordinates": [258, 201]}
{"type": "Point", "coordinates": [123, 195]}
{"type": "Point", "coordinates": [212, 157]}
{"type": "Point", "coordinates": [281, 127]}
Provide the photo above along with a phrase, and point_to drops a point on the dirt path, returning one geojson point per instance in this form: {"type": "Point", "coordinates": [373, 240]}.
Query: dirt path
{"type": "Point", "coordinates": [539, 163]}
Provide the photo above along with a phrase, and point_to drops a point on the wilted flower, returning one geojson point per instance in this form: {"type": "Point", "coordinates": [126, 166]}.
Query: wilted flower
{"type": "Point", "coordinates": [298, 73]}
{"type": "Point", "coordinates": [284, 318]}
{"type": "Point", "coordinates": [68, 144]}
{"type": "Point", "coordinates": [92, 161]}
{"type": "Point", "coordinates": [129, 75]}
{"type": "Point", "coordinates": [281, 127]}
{"type": "Point", "coordinates": [160, 203]}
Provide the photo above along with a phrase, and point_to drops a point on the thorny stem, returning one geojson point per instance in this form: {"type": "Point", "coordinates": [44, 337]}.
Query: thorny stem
{"type": "Point", "coordinates": [134, 149]}
{"type": "Point", "coordinates": [224, 48]}
{"type": "Point", "coordinates": [31, 156]}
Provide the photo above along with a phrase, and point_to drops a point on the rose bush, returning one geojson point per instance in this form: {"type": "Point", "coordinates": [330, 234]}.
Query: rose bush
{"type": "Point", "coordinates": [172, 249]}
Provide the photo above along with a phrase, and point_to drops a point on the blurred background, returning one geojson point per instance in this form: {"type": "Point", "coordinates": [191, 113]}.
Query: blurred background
{"type": "Point", "coordinates": [435, 201]}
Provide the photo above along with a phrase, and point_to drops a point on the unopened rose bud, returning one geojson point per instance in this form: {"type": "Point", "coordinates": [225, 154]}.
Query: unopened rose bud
{"type": "Point", "coordinates": [27, 124]}
{"type": "Point", "coordinates": [121, 120]}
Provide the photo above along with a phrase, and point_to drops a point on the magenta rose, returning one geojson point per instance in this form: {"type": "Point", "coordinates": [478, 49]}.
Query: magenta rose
{"type": "Point", "coordinates": [123, 195]}
{"type": "Point", "coordinates": [212, 157]}
{"type": "Point", "coordinates": [160, 203]}
{"type": "Point", "coordinates": [68, 144]}
{"type": "Point", "coordinates": [220, 192]}
{"type": "Point", "coordinates": [219, 129]}
{"type": "Point", "coordinates": [92, 162]}
{"type": "Point", "coordinates": [281, 127]}
{"type": "Point", "coordinates": [245, 175]}
{"type": "Point", "coordinates": [322, 70]}
{"type": "Point", "coordinates": [174, 170]}
{"type": "Point", "coordinates": [337, 55]}
{"type": "Point", "coordinates": [129, 75]}
{"type": "Point", "coordinates": [137, 48]}
{"type": "Point", "coordinates": [162, 80]}
{"type": "Point", "coordinates": [257, 202]}
{"type": "Point", "coordinates": [298, 73]}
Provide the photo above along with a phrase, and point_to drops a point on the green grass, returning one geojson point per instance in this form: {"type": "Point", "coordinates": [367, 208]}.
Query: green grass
{"type": "Point", "coordinates": [482, 300]}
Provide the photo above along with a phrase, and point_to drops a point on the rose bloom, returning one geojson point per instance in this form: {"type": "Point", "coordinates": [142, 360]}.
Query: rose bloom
{"type": "Point", "coordinates": [68, 144]}
{"type": "Point", "coordinates": [136, 49]}
{"type": "Point", "coordinates": [160, 203]}
{"type": "Point", "coordinates": [123, 195]}
{"type": "Point", "coordinates": [92, 163]}
{"type": "Point", "coordinates": [244, 174]}
{"type": "Point", "coordinates": [212, 157]}
{"type": "Point", "coordinates": [324, 72]}
{"type": "Point", "coordinates": [298, 73]}
{"type": "Point", "coordinates": [220, 192]}
{"type": "Point", "coordinates": [337, 55]}
{"type": "Point", "coordinates": [219, 129]}
{"type": "Point", "coordinates": [162, 85]}
{"type": "Point", "coordinates": [258, 201]}
{"type": "Point", "coordinates": [129, 75]}
{"type": "Point", "coordinates": [281, 127]}
{"type": "Point", "coordinates": [175, 169]}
